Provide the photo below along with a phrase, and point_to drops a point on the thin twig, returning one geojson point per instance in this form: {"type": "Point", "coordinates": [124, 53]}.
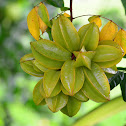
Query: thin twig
{"type": "Point", "coordinates": [99, 16]}
{"type": "Point", "coordinates": [71, 14]}
{"type": "Point", "coordinates": [85, 15]}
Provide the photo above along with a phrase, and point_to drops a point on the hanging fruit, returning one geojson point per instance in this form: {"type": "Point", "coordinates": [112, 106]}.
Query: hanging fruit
{"type": "Point", "coordinates": [74, 65]}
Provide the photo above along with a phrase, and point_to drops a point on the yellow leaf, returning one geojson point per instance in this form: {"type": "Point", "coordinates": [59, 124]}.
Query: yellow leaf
{"type": "Point", "coordinates": [42, 25]}
{"type": "Point", "coordinates": [109, 31]}
{"type": "Point", "coordinates": [33, 23]}
{"type": "Point", "coordinates": [66, 15]}
{"type": "Point", "coordinates": [121, 39]}
{"type": "Point", "coordinates": [95, 19]}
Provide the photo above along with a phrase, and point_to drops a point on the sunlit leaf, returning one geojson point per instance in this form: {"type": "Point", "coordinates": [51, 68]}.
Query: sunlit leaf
{"type": "Point", "coordinates": [42, 25]}
{"type": "Point", "coordinates": [109, 31]}
{"type": "Point", "coordinates": [44, 15]}
{"type": "Point", "coordinates": [33, 24]}
{"type": "Point", "coordinates": [121, 39]}
{"type": "Point", "coordinates": [66, 15]}
{"type": "Point", "coordinates": [95, 19]}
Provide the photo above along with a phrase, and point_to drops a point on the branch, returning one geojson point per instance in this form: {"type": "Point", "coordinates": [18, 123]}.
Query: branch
{"type": "Point", "coordinates": [104, 111]}
{"type": "Point", "coordinates": [71, 15]}
{"type": "Point", "coordinates": [99, 16]}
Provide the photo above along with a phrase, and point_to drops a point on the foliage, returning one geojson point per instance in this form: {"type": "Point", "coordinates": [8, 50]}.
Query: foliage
{"type": "Point", "coordinates": [124, 4]}
{"type": "Point", "coordinates": [73, 62]}
{"type": "Point", "coordinates": [16, 86]}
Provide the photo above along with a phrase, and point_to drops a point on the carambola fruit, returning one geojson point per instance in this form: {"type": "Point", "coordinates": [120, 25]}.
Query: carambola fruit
{"type": "Point", "coordinates": [74, 66]}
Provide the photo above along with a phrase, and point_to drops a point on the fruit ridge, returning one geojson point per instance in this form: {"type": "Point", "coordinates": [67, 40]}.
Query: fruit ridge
{"type": "Point", "coordinates": [73, 66]}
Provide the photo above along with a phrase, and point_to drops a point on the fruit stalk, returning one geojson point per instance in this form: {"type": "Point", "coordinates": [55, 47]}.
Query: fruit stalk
{"type": "Point", "coordinates": [71, 15]}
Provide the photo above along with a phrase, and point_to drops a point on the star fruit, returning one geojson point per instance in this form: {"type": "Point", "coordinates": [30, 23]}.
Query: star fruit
{"type": "Point", "coordinates": [73, 66]}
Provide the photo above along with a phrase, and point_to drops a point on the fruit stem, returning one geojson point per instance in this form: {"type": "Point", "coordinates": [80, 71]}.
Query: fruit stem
{"type": "Point", "coordinates": [71, 15]}
{"type": "Point", "coordinates": [73, 56]}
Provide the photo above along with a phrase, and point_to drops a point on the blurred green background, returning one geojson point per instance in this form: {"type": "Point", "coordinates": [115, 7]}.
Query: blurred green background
{"type": "Point", "coordinates": [16, 104]}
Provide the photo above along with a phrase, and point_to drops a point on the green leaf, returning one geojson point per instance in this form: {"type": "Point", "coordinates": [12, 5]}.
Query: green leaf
{"type": "Point", "coordinates": [101, 113]}
{"type": "Point", "coordinates": [43, 13]}
{"type": "Point", "coordinates": [124, 5]}
{"type": "Point", "coordinates": [124, 56]}
{"type": "Point", "coordinates": [72, 107]}
{"type": "Point", "coordinates": [56, 103]}
{"type": "Point", "coordinates": [37, 97]}
{"type": "Point", "coordinates": [65, 8]}
{"type": "Point", "coordinates": [123, 87]}
{"type": "Point", "coordinates": [50, 80]}
{"type": "Point", "coordinates": [56, 3]}
{"type": "Point", "coordinates": [116, 79]}
{"type": "Point", "coordinates": [48, 30]}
